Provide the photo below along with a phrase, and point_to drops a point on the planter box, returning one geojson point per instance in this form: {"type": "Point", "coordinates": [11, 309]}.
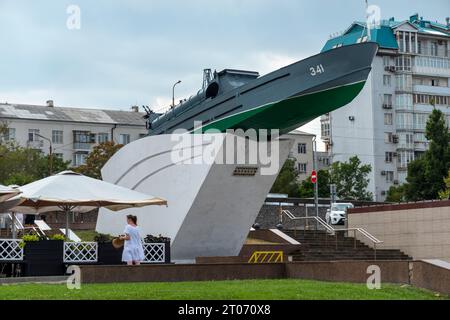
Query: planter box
{"type": "Point", "coordinates": [108, 255]}
{"type": "Point", "coordinates": [44, 258]}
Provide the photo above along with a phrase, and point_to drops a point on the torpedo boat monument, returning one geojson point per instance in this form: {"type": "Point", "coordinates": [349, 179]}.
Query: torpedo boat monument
{"type": "Point", "coordinates": [214, 202]}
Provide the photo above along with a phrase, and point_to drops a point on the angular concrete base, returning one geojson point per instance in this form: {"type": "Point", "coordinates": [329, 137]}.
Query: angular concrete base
{"type": "Point", "coordinates": [211, 210]}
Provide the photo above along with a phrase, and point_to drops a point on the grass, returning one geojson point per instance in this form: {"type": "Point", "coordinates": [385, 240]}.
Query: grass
{"type": "Point", "coordinates": [223, 290]}
{"type": "Point", "coordinates": [86, 235]}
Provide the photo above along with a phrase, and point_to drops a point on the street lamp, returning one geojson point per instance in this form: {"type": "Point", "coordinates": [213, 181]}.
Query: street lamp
{"type": "Point", "coordinates": [173, 93]}
{"type": "Point", "coordinates": [50, 154]}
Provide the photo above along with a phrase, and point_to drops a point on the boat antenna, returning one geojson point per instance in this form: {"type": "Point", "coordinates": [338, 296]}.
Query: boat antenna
{"type": "Point", "coordinates": [207, 78]}
{"type": "Point", "coordinates": [367, 25]}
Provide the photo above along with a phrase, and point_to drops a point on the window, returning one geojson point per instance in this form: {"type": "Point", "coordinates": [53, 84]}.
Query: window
{"type": "Point", "coordinates": [387, 80]}
{"type": "Point", "coordinates": [388, 137]}
{"type": "Point", "coordinates": [389, 176]}
{"type": "Point", "coordinates": [388, 119]}
{"type": "Point", "coordinates": [387, 100]}
{"type": "Point", "coordinates": [33, 135]}
{"type": "Point", "coordinates": [325, 126]}
{"type": "Point", "coordinates": [302, 148]}
{"type": "Point", "coordinates": [435, 82]}
{"type": "Point", "coordinates": [403, 63]}
{"type": "Point", "coordinates": [9, 134]}
{"type": "Point", "coordinates": [124, 139]}
{"type": "Point", "coordinates": [302, 168]}
{"type": "Point", "coordinates": [387, 61]}
{"type": "Point", "coordinates": [420, 121]}
{"type": "Point", "coordinates": [404, 82]}
{"type": "Point", "coordinates": [57, 137]}
{"type": "Point", "coordinates": [83, 140]}
{"type": "Point", "coordinates": [102, 137]}
{"type": "Point", "coordinates": [389, 157]}
{"type": "Point", "coordinates": [404, 121]}
{"type": "Point", "coordinates": [404, 158]}
{"type": "Point", "coordinates": [404, 102]}
{"type": "Point", "coordinates": [434, 49]}
{"type": "Point", "coordinates": [79, 158]}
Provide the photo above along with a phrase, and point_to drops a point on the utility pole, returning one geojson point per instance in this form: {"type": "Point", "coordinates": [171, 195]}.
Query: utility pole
{"type": "Point", "coordinates": [50, 154]}
{"type": "Point", "coordinates": [316, 185]}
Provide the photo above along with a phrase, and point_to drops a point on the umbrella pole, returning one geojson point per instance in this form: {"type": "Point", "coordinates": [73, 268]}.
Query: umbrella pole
{"type": "Point", "coordinates": [13, 226]}
{"type": "Point", "coordinates": [67, 223]}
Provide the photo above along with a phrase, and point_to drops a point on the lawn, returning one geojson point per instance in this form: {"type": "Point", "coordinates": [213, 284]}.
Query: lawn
{"type": "Point", "coordinates": [223, 290]}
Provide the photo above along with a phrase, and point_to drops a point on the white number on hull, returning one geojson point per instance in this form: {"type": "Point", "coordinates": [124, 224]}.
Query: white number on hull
{"type": "Point", "coordinates": [317, 70]}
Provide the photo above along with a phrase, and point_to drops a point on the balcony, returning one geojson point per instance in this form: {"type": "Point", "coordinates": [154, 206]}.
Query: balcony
{"type": "Point", "coordinates": [434, 66]}
{"type": "Point", "coordinates": [441, 91]}
{"type": "Point", "coordinates": [420, 146]}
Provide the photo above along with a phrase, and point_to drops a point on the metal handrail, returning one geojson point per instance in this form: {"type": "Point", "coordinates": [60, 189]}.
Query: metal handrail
{"type": "Point", "coordinates": [20, 226]}
{"type": "Point", "coordinates": [333, 231]}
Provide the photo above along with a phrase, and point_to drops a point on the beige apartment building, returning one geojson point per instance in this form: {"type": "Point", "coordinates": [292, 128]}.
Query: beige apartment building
{"type": "Point", "coordinates": [71, 132]}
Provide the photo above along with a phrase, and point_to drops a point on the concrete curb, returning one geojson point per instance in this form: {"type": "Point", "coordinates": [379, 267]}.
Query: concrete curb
{"type": "Point", "coordinates": [33, 280]}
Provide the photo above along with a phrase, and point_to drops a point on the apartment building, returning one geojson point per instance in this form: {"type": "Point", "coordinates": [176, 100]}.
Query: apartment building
{"type": "Point", "coordinates": [385, 125]}
{"type": "Point", "coordinates": [302, 153]}
{"type": "Point", "coordinates": [71, 132]}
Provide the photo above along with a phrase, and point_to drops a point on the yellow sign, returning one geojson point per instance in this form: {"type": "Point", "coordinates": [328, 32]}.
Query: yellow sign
{"type": "Point", "coordinates": [267, 257]}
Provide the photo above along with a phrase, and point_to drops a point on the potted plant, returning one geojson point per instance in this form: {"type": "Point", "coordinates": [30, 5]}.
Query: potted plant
{"type": "Point", "coordinates": [43, 257]}
{"type": "Point", "coordinates": [160, 239]}
{"type": "Point", "coordinates": [107, 254]}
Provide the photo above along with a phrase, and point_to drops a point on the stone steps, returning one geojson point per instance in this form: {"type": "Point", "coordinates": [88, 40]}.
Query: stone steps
{"type": "Point", "coordinates": [319, 246]}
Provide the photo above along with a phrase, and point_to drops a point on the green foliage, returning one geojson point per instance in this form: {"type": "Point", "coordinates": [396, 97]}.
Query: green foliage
{"type": "Point", "coordinates": [98, 158]}
{"type": "Point", "coordinates": [57, 237]}
{"type": "Point", "coordinates": [426, 175]}
{"type": "Point", "coordinates": [444, 195]}
{"type": "Point", "coordinates": [21, 166]}
{"type": "Point", "coordinates": [286, 182]}
{"type": "Point", "coordinates": [103, 238]}
{"type": "Point", "coordinates": [307, 187]}
{"type": "Point", "coordinates": [396, 194]}
{"type": "Point", "coordinates": [351, 179]}
{"type": "Point", "coordinates": [29, 238]}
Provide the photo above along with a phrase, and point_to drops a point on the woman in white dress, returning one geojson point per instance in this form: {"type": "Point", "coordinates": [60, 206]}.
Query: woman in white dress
{"type": "Point", "coordinates": [133, 251]}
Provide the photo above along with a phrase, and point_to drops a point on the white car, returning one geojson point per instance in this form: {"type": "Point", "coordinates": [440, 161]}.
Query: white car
{"type": "Point", "coordinates": [338, 213]}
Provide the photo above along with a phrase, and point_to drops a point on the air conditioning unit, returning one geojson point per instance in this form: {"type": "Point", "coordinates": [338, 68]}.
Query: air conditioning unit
{"type": "Point", "coordinates": [387, 106]}
{"type": "Point", "coordinates": [396, 182]}
{"type": "Point", "coordinates": [395, 154]}
{"type": "Point", "coordinates": [383, 173]}
{"type": "Point", "coordinates": [392, 69]}
{"type": "Point", "coordinates": [395, 139]}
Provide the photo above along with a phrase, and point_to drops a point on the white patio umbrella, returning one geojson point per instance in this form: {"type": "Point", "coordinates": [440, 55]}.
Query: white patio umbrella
{"type": "Point", "coordinates": [7, 193]}
{"type": "Point", "coordinates": [72, 192]}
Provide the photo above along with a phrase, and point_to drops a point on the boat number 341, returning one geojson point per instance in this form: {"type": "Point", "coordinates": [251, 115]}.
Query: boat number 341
{"type": "Point", "coordinates": [317, 70]}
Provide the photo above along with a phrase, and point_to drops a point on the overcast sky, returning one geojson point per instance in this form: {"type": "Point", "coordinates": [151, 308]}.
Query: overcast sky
{"type": "Point", "coordinates": [131, 52]}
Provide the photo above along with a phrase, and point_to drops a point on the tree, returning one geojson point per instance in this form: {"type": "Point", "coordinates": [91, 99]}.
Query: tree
{"type": "Point", "coordinates": [444, 195]}
{"type": "Point", "coordinates": [426, 175]}
{"type": "Point", "coordinates": [287, 182]}
{"type": "Point", "coordinates": [351, 179]}
{"type": "Point", "coordinates": [21, 166]}
{"type": "Point", "coordinates": [396, 194]}
{"type": "Point", "coordinates": [97, 159]}
{"type": "Point", "coordinates": [307, 187]}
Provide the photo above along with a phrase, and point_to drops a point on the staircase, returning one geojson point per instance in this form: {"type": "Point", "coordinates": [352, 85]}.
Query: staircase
{"type": "Point", "coordinates": [321, 246]}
